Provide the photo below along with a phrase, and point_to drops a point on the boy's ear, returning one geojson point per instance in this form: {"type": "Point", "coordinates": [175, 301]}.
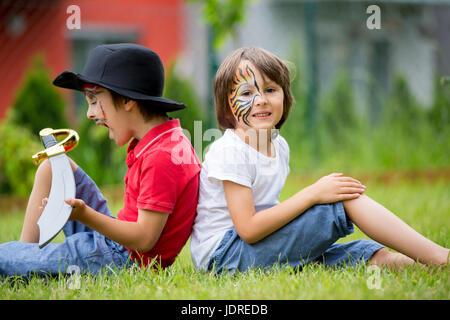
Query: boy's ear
{"type": "Point", "coordinates": [129, 104]}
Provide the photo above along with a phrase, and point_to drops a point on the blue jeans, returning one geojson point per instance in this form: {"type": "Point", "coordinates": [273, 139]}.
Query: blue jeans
{"type": "Point", "coordinates": [308, 238]}
{"type": "Point", "coordinates": [83, 247]}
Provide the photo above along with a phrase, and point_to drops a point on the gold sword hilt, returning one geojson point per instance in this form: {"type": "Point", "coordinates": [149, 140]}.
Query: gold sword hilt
{"type": "Point", "coordinates": [70, 141]}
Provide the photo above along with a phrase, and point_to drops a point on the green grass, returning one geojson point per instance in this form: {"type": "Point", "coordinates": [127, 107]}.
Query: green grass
{"type": "Point", "coordinates": [423, 205]}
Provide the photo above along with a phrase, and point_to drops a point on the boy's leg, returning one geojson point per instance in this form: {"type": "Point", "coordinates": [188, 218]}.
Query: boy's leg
{"type": "Point", "coordinates": [86, 190]}
{"type": "Point", "coordinates": [41, 190]}
{"type": "Point", "coordinates": [83, 248]}
{"type": "Point", "coordinates": [299, 242]}
{"type": "Point", "coordinates": [383, 226]}
{"type": "Point", "coordinates": [355, 252]}
{"type": "Point", "coordinates": [87, 252]}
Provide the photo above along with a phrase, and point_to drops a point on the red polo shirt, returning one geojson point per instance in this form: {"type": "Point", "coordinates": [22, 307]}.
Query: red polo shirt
{"type": "Point", "coordinates": [163, 175]}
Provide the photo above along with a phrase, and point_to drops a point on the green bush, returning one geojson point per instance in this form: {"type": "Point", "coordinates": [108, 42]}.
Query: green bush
{"type": "Point", "coordinates": [181, 90]}
{"type": "Point", "coordinates": [295, 129]}
{"type": "Point", "coordinates": [17, 145]}
{"type": "Point", "coordinates": [402, 138]}
{"type": "Point", "coordinates": [439, 119]}
{"type": "Point", "coordinates": [406, 136]}
{"type": "Point", "coordinates": [342, 131]}
{"type": "Point", "coordinates": [338, 119]}
{"type": "Point", "coordinates": [38, 104]}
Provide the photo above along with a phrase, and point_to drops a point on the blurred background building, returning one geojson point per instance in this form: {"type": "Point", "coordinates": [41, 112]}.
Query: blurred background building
{"type": "Point", "coordinates": [414, 40]}
{"type": "Point", "coordinates": [30, 27]}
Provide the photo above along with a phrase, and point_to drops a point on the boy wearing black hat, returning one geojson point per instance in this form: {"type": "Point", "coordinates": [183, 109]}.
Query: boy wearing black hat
{"type": "Point", "coordinates": [123, 84]}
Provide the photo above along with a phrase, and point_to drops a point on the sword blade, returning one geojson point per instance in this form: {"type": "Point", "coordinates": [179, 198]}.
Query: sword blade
{"type": "Point", "coordinates": [57, 212]}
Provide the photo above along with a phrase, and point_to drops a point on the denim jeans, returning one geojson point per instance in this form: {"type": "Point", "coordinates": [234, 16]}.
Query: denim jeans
{"type": "Point", "coordinates": [83, 248]}
{"type": "Point", "coordinates": [308, 238]}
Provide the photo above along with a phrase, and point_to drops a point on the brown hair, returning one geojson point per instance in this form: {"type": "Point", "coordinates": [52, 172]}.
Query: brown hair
{"type": "Point", "coordinates": [145, 109]}
{"type": "Point", "coordinates": [267, 63]}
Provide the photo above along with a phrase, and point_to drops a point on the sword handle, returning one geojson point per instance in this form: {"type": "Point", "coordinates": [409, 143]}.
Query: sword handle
{"type": "Point", "coordinates": [52, 146]}
{"type": "Point", "coordinates": [49, 141]}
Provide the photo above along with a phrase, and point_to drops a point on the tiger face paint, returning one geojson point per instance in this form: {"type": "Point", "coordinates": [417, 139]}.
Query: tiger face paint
{"type": "Point", "coordinates": [243, 93]}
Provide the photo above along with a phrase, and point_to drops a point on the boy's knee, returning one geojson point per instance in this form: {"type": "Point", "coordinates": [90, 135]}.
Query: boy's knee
{"type": "Point", "coordinates": [45, 168]}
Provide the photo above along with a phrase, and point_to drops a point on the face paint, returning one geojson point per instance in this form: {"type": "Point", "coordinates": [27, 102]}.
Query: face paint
{"type": "Point", "coordinates": [243, 93]}
{"type": "Point", "coordinates": [91, 92]}
{"type": "Point", "coordinates": [103, 111]}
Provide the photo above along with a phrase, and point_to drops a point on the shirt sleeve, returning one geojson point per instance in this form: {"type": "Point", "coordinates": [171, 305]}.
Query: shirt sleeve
{"type": "Point", "coordinates": [230, 163]}
{"type": "Point", "coordinates": [160, 182]}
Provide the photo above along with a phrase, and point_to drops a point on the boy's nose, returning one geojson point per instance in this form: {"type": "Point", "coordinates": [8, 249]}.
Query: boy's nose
{"type": "Point", "coordinates": [90, 113]}
{"type": "Point", "coordinates": [260, 100]}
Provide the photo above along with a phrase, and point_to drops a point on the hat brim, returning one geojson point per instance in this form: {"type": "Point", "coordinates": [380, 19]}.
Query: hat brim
{"type": "Point", "coordinates": [72, 80]}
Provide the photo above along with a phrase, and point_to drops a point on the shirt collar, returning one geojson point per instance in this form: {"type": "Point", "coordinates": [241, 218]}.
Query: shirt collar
{"type": "Point", "coordinates": [136, 147]}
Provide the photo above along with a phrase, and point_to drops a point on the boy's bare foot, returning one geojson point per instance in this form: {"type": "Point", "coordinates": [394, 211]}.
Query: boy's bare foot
{"type": "Point", "coordinates": [391, 260]}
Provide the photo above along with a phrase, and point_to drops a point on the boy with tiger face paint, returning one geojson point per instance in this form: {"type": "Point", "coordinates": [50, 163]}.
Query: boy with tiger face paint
{"type": "Point", "coordinates": [256, 102]}
{"type": "Point", "coordinates": [241, 224]}
{"type": "Point", "coordinates": [242, 84]}
{"type": "Point", "coordinates": [254, 97]}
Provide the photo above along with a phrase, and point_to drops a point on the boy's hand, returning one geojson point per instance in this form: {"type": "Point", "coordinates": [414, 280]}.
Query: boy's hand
{"type": "Point", "coordinates": [335, 187]}
{"type": "Point", "coordinates": [42, 206]}
{"type": "Point", "coordinates": [78, 206]}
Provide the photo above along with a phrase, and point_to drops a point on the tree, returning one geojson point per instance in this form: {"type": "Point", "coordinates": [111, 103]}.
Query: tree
{"type": "Point", "coordinates": [38, 104]}
{"type": "Point", "coordinates": [224, 16]}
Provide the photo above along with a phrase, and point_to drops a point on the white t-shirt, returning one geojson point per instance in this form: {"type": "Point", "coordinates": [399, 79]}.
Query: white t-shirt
{"type": "Point", "coordinates": [230, 158]}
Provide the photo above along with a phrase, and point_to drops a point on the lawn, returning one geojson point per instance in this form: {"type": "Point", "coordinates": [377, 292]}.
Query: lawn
{"type": "Point", "coordinates": [423, 204]}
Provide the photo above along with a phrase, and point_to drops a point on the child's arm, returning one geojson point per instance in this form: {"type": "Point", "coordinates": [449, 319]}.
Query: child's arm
{"type": "Point", "coordinates": [140, 236]}
{"type": "Point", "coordinates": [252, 227]}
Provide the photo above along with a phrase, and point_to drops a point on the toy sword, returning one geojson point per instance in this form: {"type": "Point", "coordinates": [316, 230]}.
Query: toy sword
{"type": "Point", "coordinates": [56, 212]}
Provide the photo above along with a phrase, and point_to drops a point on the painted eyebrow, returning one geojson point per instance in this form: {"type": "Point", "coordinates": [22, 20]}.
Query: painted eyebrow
{"type": "Point", "coordinates": [92, 94]}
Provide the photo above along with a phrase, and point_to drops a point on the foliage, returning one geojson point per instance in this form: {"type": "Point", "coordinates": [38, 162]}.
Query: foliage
{"type": "Point", "coordinates": [406, 136]}
{"type": "Point", "coordinates": [338, 119]}
{"type": "Point", "coordinates": [182, 90]}
{"type": "Point", "coordinates": [295, 129]}
{"type": "Point", "coordinates": [402, 138]}
{"type": "Point", "coordinates": [17, 145]}
{"type": "Point", "coordinates": [224, 16]}
{"type": "Point", "coordinates": [38, 104]}
{"type": "Point", "coordinates": [439, 115]}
